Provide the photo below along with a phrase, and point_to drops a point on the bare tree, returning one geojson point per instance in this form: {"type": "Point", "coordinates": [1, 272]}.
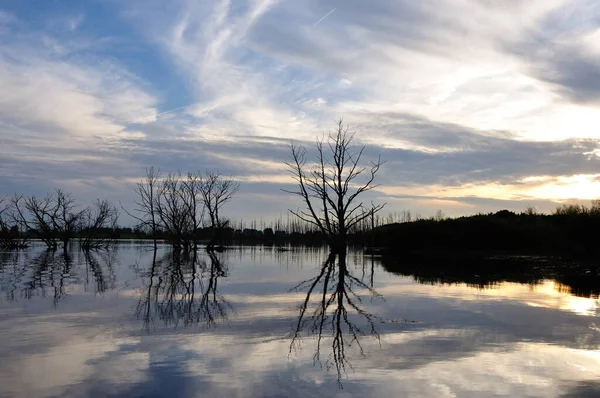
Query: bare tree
{"type": "Point", "coordinates": [95, 222]}
{"type": "Point", "coordinates": [175, 205]}
{"type": "Point", "coordinates": [146, 196]}
{"type": "Point", "coordinates": [179, 211]}
{"type": "Point", "coordinates": [55, 218]}
{"type": "Point", "coordinates": [216, 190]}
{"type": "Point", "coordinates": [7, 233]}
{"type": "Point", "coordinates": [15, 215]}
{"type": "Point", "coordinates": [330, 188]}
{"type": "Point", "coordinates": [4, 228]}
{"type": "Point", "coordinates": [3, 205]}
{"type": "Point", "coordinates": [190, 188]}
{"type": "Point", "coordinates": [11, 235]}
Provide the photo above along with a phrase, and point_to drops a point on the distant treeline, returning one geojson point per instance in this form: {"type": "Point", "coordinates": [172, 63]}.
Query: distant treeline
{"type": "Point", "coordinates": [569, 230]}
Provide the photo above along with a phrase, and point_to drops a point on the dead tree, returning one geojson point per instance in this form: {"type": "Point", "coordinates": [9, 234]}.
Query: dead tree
{"type": "Point", "coordinates": [55, 218]}
{"type": "Point", "coordinates": [330, 189]}
{"type": "Point", "coordinates": [97, 224]}
{"type": "Point", "coordinates": [190, 188]}
{"type": "Point", "coordinates": [20, 231]}
{"type": "Point", "coordinates": [145, 212]}
{"type": "Point", "coordinates": [3, 206]}
{"type": "Point", "coordinates": [4, 228]}
{"type": "Point", "coordinates": [216, 190]}
{"type": "Point", "coordinates": [13, 234]}
{"type": "Point", "coordinates": [179, 211]}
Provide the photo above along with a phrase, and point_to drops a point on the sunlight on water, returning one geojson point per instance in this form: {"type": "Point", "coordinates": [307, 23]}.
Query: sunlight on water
{"type": "Point", "coordinates": [242, 323]}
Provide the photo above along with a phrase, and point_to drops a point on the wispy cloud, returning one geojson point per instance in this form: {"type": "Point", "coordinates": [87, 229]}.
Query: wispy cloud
{"type": "Point", "coordinates": [478, 103]}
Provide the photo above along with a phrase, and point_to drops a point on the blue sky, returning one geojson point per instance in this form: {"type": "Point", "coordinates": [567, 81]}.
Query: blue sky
{"type": "Point", "coordinates": [475, 105]}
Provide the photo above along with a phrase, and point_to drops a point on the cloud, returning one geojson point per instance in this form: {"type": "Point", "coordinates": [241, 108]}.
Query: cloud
{"type": "Point", "coordinates": [58, 109]}
{"type": "Point", "coordinates": [468, 106]}
{"type": "Point", "coordinates": [562, 49]}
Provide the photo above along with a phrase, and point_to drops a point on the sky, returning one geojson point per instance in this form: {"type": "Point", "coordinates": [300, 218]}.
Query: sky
{"type": "Point", "coordinates": [475, 105]}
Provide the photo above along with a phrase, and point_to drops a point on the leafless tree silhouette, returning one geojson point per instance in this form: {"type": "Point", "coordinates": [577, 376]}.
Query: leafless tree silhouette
{"type": "Point", "coordinates": [175, 205]}
{"type": "Point", "coordinates": [216, 190]}
{"type": "Point", "coordinates": [55, 217]}
{"type": "Point", "coordinates": [10, 235]}
{"type": "Point", "coordinates": [330, 189]}
{"type": "Point", "coordinates": [102, 215]}
{"type": "Point", "coordinates": [3, 208]}
{"type": "Point", "coordinates": [146, 192]}
{"type": "Point", "coordinates": [179, 210]}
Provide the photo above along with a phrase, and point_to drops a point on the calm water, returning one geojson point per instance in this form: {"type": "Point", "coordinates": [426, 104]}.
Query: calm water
{"type": "Point", "coordinates": [130, 323]}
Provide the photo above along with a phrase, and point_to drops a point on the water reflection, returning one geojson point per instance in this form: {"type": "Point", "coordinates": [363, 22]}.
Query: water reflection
{"type": "Point", "coordinates": [51, 274]}
{"type": "Point", "coordinates": [333, 311]}
{"type": "Point", "coordinates": [183, 290]}
{"type": "Point", "coordinates": [488, 338]}
{"type": "Point", "coordinates": [492, 272]}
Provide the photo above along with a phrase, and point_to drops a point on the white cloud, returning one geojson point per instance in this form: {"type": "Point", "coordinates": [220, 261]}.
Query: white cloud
{"type": "Point", "coordinates": [260, 68]}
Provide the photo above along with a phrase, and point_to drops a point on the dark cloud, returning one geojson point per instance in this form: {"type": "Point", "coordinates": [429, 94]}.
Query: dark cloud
{"type": "Point", "coordinates": [471, 156]}
{"type": "Point", "coordinates": [573, 72]}
{"type": "Point", "coordinates": [585, 389]}
{"type": "Point", "coordinates": [554, 52]}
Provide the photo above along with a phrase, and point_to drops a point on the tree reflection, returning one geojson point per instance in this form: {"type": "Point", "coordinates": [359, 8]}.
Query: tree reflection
{"type": "Point", "coordinates": [183, 289]}
{"type": "Point", "coordinates": [334, 312]}
{"type": "Point", "coordinates": [49, 274]}
{"type": "Point", "coordinates": [485, 273]}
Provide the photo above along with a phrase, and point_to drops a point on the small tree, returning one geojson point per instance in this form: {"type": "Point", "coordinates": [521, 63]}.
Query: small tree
{"type": "Point", "coordinates": [216, 190]}
{"type": "Point", "coordinates": [145, 204]}
{"type": "Point", "coordinates": [97, 224]}
{"type": "Point", "coordinates": [330, 189]}
{"type": "Point", "coordinates": [3, 211]}
{"type": "Point", "coordinates": [55, 218]}
{"type": "Point", "coordinates": [14, 214]}
{"type": "Point", "coordinates": [10, 236]}
{"type": "Point", "coordinates": [173, 213]}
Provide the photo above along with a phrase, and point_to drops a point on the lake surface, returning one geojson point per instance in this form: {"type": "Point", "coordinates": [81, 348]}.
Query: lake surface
{"type": "Point", "coordinates": [134, 323]}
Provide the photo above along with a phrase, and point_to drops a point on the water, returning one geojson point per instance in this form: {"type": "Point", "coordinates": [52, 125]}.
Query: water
{"type": "Point", "coordinates": [130, 323]}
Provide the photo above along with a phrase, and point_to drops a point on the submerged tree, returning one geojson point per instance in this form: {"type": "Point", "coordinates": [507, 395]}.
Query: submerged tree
{"type": "Point", "coordinates": [10, 236]}
{"type": "Point", "coordinates": [55, 217]}
{"type": "Point", "coordinates": [175, 205]}
{"type": "Point", "coordinates": [179, 210]}
{"type": "Point", "coordinates": [97, 220]}
{"type": "Point", "coordinates": [216, 190]}
{"type": "Point", "coordinates": [331, 189]}
{"type": "Point", "coordinates": [146, 192]}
